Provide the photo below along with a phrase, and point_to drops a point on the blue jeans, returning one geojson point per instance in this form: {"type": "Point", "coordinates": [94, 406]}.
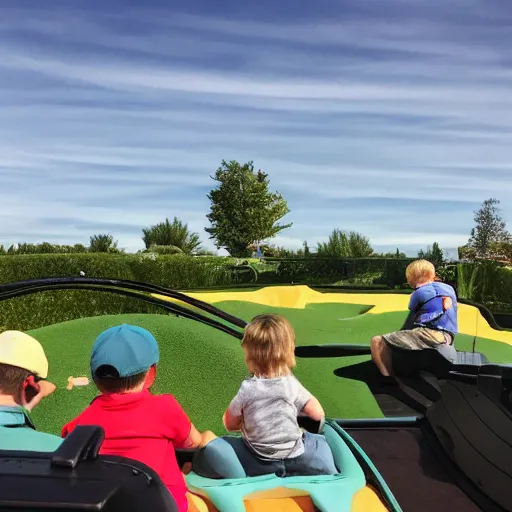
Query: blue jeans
{"type": "Point", "coordinates": [231, 457]}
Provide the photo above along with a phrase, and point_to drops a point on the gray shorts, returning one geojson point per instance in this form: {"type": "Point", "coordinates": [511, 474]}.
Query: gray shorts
{"type": "Point", "coordinates": [418, 339]}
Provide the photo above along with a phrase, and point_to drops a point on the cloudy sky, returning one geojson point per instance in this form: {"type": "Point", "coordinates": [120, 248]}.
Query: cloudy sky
{"type": "Point", "coordinates": [392, 118]}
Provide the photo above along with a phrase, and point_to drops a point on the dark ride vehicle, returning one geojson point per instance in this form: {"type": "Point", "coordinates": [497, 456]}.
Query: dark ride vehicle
{"type": "Point", "coordinates": [445, 445]}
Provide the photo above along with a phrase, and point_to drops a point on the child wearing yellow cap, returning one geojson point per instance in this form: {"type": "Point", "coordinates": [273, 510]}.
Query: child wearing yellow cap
{"type": "Point", "coordinates": [23, 384]}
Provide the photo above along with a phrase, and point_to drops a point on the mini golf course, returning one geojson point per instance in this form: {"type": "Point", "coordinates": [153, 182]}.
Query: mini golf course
{"type": "Point", "coordinates": [203, 367]}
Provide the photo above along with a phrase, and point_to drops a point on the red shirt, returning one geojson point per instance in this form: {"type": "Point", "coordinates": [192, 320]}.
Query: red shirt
{"type": "Point", "coordinates": [142, 427]}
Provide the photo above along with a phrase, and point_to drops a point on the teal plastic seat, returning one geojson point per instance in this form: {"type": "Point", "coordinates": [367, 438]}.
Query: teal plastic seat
{"type": "Point", "coordinates": [329, 493]}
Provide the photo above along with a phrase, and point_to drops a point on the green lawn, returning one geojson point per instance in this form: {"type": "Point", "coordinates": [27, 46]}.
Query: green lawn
{"type": "Point", "coordinates": [203, 367]}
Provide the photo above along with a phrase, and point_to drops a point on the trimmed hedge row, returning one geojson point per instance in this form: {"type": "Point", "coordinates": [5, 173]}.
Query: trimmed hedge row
{"type": "Point", "coordinates": [45, 308]}
{"type": "Point", "coordinates": [176, 271]}
{"type": "Point", "coordinates": [367, 271]}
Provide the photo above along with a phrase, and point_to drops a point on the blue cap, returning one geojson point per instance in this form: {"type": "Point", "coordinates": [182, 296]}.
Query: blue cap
{"type": "Point", "coordinates": [129, 349]}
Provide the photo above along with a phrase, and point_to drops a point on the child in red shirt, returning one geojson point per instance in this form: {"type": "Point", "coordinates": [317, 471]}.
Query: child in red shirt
{"type": "Point", "coordinates": [138, 424]}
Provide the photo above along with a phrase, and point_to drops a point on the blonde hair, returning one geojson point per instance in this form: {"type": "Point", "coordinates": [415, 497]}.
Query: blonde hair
{"type": "Point", "coordinates": [420, 271]}
{"type": "Point", "coordinates": [269, 346]}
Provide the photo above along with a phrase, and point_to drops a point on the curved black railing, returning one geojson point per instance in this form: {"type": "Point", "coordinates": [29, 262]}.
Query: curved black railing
{"type": "Point", "coordinates": [130, 289]}
{"type": "Point", "coordinates": [124, 283]}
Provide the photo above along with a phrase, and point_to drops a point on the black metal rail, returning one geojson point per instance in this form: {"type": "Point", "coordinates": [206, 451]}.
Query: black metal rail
{"type": "Point", "coordinates": [55, 282]}
{"type": "Point", "coordinates": [130, 289]}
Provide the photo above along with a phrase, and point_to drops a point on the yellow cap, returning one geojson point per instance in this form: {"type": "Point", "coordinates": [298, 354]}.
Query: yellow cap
{"type": "Point", "coordinates": [21, 350]}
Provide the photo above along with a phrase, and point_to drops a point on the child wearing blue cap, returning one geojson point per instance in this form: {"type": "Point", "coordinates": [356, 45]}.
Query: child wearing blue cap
{"type": "Point", "coordinates": [138, 424]}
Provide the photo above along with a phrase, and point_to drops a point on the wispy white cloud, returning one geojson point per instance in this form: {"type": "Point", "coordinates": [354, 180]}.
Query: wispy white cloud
{"type": "Point", "coordinates": [395, 123]}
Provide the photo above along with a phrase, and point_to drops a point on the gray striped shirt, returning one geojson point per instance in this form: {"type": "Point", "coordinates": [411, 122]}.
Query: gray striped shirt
{"type": "Point", "coordinates": [269, 410]}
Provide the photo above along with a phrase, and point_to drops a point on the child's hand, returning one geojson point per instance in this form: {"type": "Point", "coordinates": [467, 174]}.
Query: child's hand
{"type": "Point", "coordinates": [46, 388]}
{"type": "Point", "coordinates": [447, 303]}
{"type": "Point", "coordinates": [232, 423]}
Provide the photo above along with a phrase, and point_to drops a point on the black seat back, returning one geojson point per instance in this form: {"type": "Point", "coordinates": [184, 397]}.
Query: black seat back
{"type": "Point", "coordinates": [475, 432]}
{"type": "Point", "coordinates": [74, 477]}
{"type": "Point", "coordinates": [495, 382]}
{"type": "Point", "coordinates": [409, 363]}
{"type": "Point", "coordinates": [438, 362]}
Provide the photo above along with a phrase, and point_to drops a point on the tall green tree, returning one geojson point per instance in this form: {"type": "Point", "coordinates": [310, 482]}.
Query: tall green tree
{"type": "Point", "coordinates": [172, 234]}
{"type": "Point", "coordinates": [103, 243]}
{"type": "Point", "coordinates": [243, 210]}
{"type": "Point", "coordinates": [433, 254]}
{"type": "Point", "coordinates": [345, 245]}
{"type": "Point", "coordinates": [490, 228]}
{"type": "Point", "coordinates": [437, 254]}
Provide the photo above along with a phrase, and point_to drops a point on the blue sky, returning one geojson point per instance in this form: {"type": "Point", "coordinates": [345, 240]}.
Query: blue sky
{"type": "Point", "coordinates": [392, 118]}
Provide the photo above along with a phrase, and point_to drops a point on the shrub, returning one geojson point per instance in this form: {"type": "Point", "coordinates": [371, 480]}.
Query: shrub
{"type": "Point", "coordinates": [42, 248]}
{"type": "Point", "coordinates": [448, 274]}
{"type": "Point", "coordinates": [484, 282]}
{"type": "Point", "coordinates": [50, 307]}
{"type": "Point", "coordinates": [466, 253]}
{"type": "Point", "coordinates": [164, 249]}
{"type": "Point", "coordinates": [501, 251]}
{"type": "Point", "coordinates": [103, 243]}
{"type": "Point", "coordinates": [175, 233]}
{"type": "Point", "coordinates": [348, 245]}
{"type": "Point", "coordinates": [317, 270]}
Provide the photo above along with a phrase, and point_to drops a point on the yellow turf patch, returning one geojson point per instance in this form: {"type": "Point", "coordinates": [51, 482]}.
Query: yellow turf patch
{"type": "Point", "coordinates": [471, 322]}
{"type": "Point", "coordinates": [366, 500]}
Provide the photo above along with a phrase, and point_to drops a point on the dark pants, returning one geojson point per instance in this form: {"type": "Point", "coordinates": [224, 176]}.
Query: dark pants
{"type": "Point", "coordinates": [231, 457]}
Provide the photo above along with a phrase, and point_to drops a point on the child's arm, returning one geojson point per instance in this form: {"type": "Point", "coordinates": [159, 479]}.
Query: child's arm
{"type": "Point", "coordinates": [307, 404]}
{"type": "Point", "coordinates": [231, 422]}
{"type": "Point", "coordinates": [232, 418]}
{"type": "Point", "coordinates": [180, 429]}
{"type": "Point", "coordinates": [314, 410]}
{"type": "Point", "coordinates": [415, 300]}
{"type": "Point", "coordinates": [44, 389]}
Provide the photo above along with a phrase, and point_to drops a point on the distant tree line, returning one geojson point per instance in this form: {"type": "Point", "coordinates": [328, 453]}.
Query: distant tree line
{"type": "Point", "coordinates": [245, 214]}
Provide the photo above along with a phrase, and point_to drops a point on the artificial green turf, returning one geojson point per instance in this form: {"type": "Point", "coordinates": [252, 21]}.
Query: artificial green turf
{"type": "Point", "coordinates": [203, 367]}
{"type": "Point", "coordinates": [324, 323]}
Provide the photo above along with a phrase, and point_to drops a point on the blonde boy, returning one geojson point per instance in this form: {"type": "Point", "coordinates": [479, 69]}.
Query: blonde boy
{"type": "Point", "coordinates": [434, 308]}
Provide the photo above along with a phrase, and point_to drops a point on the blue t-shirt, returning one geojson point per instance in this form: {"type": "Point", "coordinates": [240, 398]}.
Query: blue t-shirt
{"type": "Point", "coordinates": [427, 302]}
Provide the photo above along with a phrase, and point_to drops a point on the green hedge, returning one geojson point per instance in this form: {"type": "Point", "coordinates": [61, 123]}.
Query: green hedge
{"type": "Point", "coordinates": [176, 271]}
{"type": "Point", "coordinates": [51, 307]}
{"type": "Point", "coordinates": [486, 282]}
{"type": "Point", "coordinates": [32, 311]}
{"type": "Point", "coordinates": [364, 271]}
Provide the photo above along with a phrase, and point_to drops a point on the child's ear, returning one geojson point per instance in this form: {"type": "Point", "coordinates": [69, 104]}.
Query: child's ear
{"type": "Point", "coordinates": [150, 377]}
{"type": "Point", "coordinates": [29, 390]}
